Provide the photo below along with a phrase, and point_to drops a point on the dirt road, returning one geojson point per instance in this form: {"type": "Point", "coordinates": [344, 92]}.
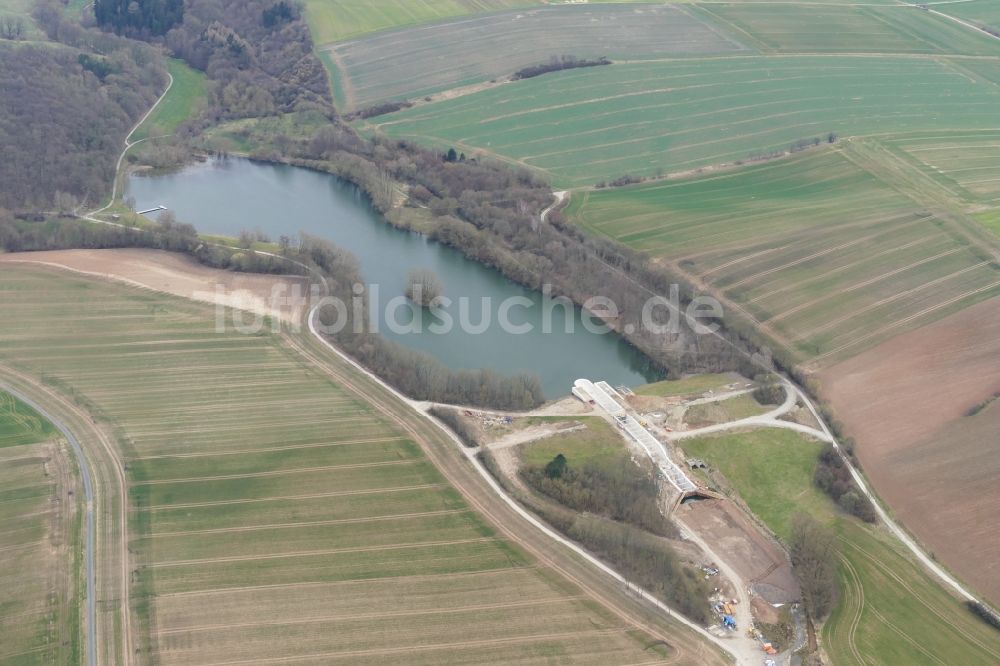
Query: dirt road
{"type": "Point", "coordinates": [461, 468]}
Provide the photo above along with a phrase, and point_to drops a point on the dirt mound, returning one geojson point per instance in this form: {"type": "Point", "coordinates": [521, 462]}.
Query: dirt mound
{"type": "Point", "coordinates": [905, 402]}
{"type": "Point", "coordinates": [754, 557]}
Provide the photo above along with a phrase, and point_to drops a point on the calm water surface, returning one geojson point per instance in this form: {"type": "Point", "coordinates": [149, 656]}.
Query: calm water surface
{"type": "Point", "coordinates": [229, 196]}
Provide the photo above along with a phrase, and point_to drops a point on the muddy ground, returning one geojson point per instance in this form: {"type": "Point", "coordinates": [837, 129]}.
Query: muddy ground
{"type": "Point", "coordinates": [756, 559]}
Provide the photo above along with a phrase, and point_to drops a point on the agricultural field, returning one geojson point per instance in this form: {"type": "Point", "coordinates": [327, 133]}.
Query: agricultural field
{"type": "Point", "coordinates": [979, 12]}
{"type": "Point", "coordinates": [582, 126]}
{"type": "Point", "coordinates": [419, 61]}
{"type": "Point", "coordinates": [890, 611]}
{"type": "Point", "coordinates": [39, 620]}
{"type": "Point", "coordinates": [186, 96]}
{"type": "Point", "coordinates": [275, 513]}
{"type": "Point", "coordinates": [967, 163]}
{"type": "Point", "coordinates": [848, 29]}
{"type": "Point", "coordinates": [919, 407]}
{"type": "Point", "coordinates": [829, 259]}
{"type": "Point", "coordinates": [335, 20]}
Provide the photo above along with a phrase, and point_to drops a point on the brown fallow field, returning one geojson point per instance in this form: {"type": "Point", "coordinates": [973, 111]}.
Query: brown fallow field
{"type": "Point", "coordinates": [908, 403]}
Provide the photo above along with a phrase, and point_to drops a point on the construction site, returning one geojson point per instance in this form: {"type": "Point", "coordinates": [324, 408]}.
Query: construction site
{"type": "Point", "coordinates": [754, 595]}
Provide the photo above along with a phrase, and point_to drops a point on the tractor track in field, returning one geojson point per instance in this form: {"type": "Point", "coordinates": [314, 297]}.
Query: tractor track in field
{"type": "Point", "coordinates": [903, 322]}
{"type": "Point", "coordinates": [452, 610]}
{"type": "Point", "coordinates": [270, 449]}
{"type": "Point", "coordinates": [311, 523]}
{"type": "Point", "coordinates": [314, 553]}
{"type": "Point", "coordinates": [481, 643]}
{"type": "Point", "coordinates": [867, 283]}
{"type": "Point", "coordinates": [859, 594]}
{"type": "Point", "coordinates": [285, 498]}
{"type": "Point", "coordinates": [353, 581]}
{"type": "Point", "coordinates": [913, 593]}
{"type": "Point", "coordinates": [279, 472]}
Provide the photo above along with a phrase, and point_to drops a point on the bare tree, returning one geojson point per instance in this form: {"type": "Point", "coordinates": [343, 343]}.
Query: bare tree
{"type": "Point", "coordinates": [814, 551]}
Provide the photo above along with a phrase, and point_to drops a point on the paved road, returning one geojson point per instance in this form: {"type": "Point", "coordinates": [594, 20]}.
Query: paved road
{"type": "Point", "coordinates": [129, 143]}
{"type": "Point", "coordinates": [88, 491]}
{"type": "Point", "coordinates": [769, 420]}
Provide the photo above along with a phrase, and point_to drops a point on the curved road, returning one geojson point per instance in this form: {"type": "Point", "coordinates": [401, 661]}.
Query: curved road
{"type": "Point", "coordinates": [723, 644]}
{"type": "Point", "coordinates": [129, 143]}
{"type": "Point", "coordinates": [88, 491]}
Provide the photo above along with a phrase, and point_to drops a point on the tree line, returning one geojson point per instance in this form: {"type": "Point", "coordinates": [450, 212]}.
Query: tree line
{"type": "Point", "coordinates": [814, 550]}
{"type": "Point", "coordinates": [258, 55]}
{"type": "Point", "coordinates": [834, 478]}
{"type": "Point", "coordinates": [558, 63]}
{"type": "Point", "coordinates": [12, 28]}
{"type": "Point", "coordinates": [621, 491]}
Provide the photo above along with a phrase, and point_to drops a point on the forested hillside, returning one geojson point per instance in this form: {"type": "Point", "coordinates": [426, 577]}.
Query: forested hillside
{"type": "Point", "coordinates": [258, 53]}
{"type": "Point", "coordinates": [65, 111]}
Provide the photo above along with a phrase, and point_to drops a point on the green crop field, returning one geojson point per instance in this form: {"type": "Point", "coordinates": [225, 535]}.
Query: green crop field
{"type": "Point", "coordinates": [828, 257]}
{"type": "Point", "coordinates": [966, 162]}
{"type": "Point", "coordinates": [186, 96]}
{"type": "Point", "coordinates": [980, 12]}
{"type": "Point", "coordinates": [38, 617]}
{"type": "Point", "coordinates": [586, 125]}
{"type": "Point", "coordinates": [414, 62]}
{"type": "Point", "coordinates": [335, 20]}
{"type": "Point", "coordinates": [274, 513]}
{"type": "Point", "coordinates": [848, 29]}
{"type": "Point", "coordinates": [20, 424]}
{"type": "Point", "coordinates": [890, 611]}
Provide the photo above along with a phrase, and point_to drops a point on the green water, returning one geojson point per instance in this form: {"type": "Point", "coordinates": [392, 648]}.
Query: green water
{"type": "Point", "coordinates": [227, 197]}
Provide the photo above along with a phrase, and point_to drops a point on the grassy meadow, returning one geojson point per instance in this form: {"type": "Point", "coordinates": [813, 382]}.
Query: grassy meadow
{"type": "Point", "coordinates": [582, 126]}
{"type": "Point", "coordinates": [692, 386]}
{"type": "Point", "coordinates": [186, 96]}
{"type": "Point", "coordinates": [274, 513]}
{"type": "Point", "coordinates": [890, 610]}
{"type": "Point", "coordinates": [39, 619]}
{"type": "Point", "coordinates": [599, 444]}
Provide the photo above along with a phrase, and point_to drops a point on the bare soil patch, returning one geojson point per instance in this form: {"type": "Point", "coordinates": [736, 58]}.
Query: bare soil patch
{"type": "Point", "coordinates": [905, 402]}
{"type": "Point", "coordinates": [179, 275]}
{"type": "Point", "coordinates": [755, 558]}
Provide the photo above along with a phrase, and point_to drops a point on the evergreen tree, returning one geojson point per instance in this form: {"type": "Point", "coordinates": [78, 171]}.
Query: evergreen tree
{"type": "Point", "coordinates": [152, 17]}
